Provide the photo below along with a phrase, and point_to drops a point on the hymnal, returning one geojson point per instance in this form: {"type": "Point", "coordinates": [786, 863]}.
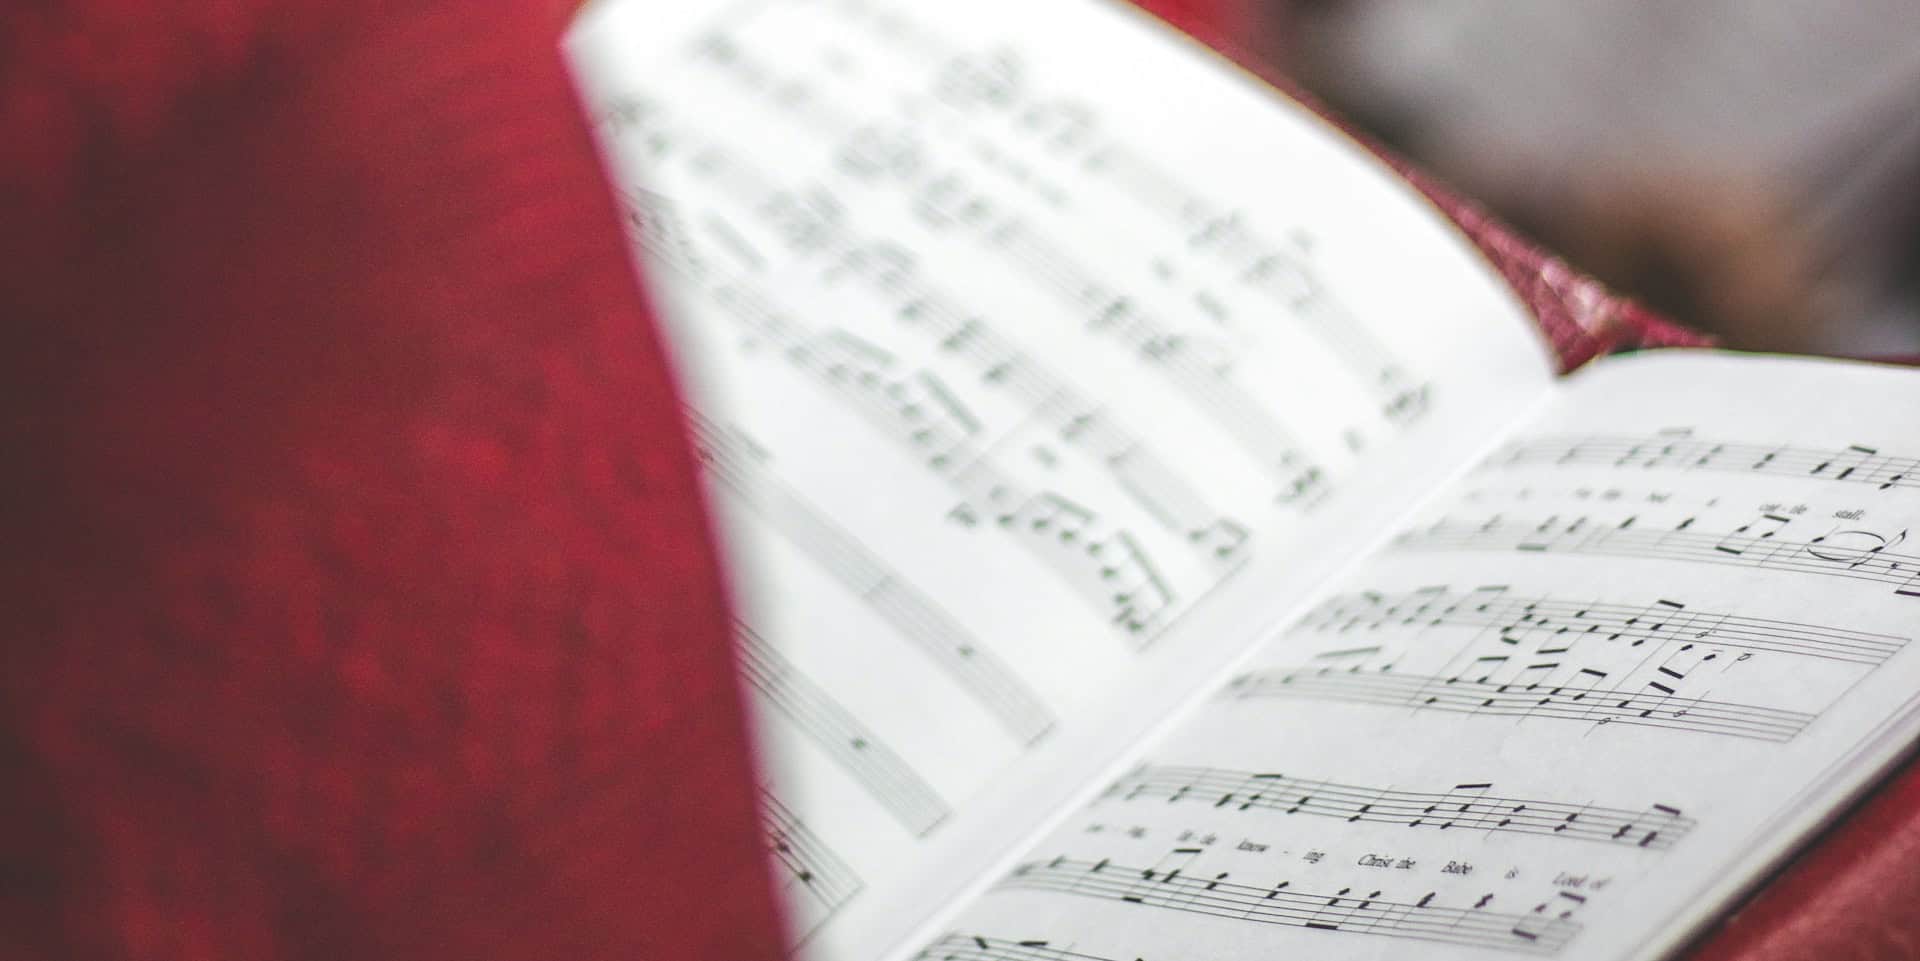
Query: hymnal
{"type": "Point", "coordinates": [1161, 534]}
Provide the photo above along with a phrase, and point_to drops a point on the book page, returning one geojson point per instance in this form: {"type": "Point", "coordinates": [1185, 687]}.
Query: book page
{"type": "Point", "coordinates": [1570, 711]}
{"type": "Point", "coordinates": [1036, 358]}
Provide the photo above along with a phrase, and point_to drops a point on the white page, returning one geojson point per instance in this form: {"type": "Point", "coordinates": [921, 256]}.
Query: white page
{"type": "Point", "coordinates": [1571, 711]}
{"type": "Point", "coordinates": [1038, 358]}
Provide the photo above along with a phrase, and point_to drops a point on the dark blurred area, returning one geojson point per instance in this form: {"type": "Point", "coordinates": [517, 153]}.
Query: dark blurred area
{"type": "Point", "coordinates": [1749, 169]}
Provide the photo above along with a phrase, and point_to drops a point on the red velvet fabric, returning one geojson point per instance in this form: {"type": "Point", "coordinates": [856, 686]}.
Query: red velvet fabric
{"type": "Point", "coordinates": [359, 601]}
{"type": "Point", "coordinates": [1853, 896]}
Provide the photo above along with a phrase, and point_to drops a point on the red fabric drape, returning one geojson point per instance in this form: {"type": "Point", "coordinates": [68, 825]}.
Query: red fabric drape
{"type": "Point", "coordinates": [359, 598]}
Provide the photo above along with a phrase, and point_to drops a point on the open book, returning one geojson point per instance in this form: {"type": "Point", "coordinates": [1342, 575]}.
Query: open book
{"type": "Point", "coordinates": [1160, 535]}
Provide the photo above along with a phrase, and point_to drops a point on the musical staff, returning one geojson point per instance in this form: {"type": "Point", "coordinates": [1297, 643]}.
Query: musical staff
{"type": "Point", "coordinates": [1103, 562]}
{"type": "Point", "coordinates": [1857, 554]}
{"type": "Point", "coordinates": [866, 575]}
{"type": "Point", "coordinates": [1657, 708]}
{"type": "Point", "coordinates": [974, 947]}
{"type": "Point", "coordinates": [1106, 564]}
{"type": "Point", "coordinates": [1344, 911]}
{"type": "Point", "coordinates": [1110, 568]}
{"type": "Point", "coordinates": [887, 778]}
{"type": "Point", "coordinates": [1276, 272]}
{"type": "Point", "coordinates": [941, 199]}
{"type": "Point", "coordinates": [807, 865]}
{"type": "Point", "coordinates": [1680, 450]}
{"type": "Point", "coordinates": [1466, 807]}
{"type": "Point", "coordinates": [1054, 404]}
{"type": "Point", "coordinates": [656, 224]}
{"type": "Point", "coordinates": [1005, 333]}
{"type": "Point", "coordinates": [1193, 363]}
{"type": "Point", "coordinates": [1568, 621]}
{"type": "Point", "coordinates": [1071, 131]}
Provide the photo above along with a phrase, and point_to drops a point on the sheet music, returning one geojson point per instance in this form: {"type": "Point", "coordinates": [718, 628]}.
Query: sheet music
{"type": "Point", "coordinates": [1036, 359]}
{"type": "Point", "coordinates": [814, 880]}
{"type": "Point", "coordinates": [1572, 708]}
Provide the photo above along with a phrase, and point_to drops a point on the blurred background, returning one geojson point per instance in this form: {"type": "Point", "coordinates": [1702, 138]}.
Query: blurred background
{"type": "Point", "coordinates": [1750, 169]}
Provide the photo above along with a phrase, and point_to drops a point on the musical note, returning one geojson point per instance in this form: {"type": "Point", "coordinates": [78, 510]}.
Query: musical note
{"type": "Point", "coordinates": [974, 947]}
{"type": "Point", "coordinates": [806, 866]}
{"type": "Point", "coordinates": [1680, 450]}
{"type": "Point", "coordinates": [881, 150]}
{"type": "Point", "coordinates": [729, 238]}
{"type": "Point", "coordinates": [1183, 358]}
{"type": "Point", "coordinates": [1106, 565]}
{"type": "Point", "coordinates": [1080, 360]}
{"type": "Point", "coordinates": [867, 576]}
{"type": "Point", "coordinates": [749, 68]}
{"type": "Point", "coordinates": [1567, 621]}
{"type": "Point", "coordinates": [1464, 807]}
{"type": "Point", "coordinates": [1202, 380]}
{"type": "Point", "coordinates": [657, 226]}
{"type": "Point", "coordinates": [943, 199]}
{"type": "Point", "coordinates": [947, 202]}
{"type": "Point", "coordinates": [1274, 272]}
{"type": "Point", "coordinates": [633, 116]}
{"type": "Point", "coordinates": [994, 79]}
{"type": "Point", "coordinates": [1070, 128]}
{"type": "Point", "coordinates": [1857, 554]}
{"type": "Point", "coordinates": [1112, 567]}
{"type": "Point", "coordinates": [1557, 910]}
{"type": "Point", "coordinates": [805, 222]}
{"type": "Point", "coordinates": [1065, 126]}
{"type": "Point", "coordinates": [1562, 701]}
{"type": "Point", "coordinates": [1151, 481]}
{"type": "Point", "coordinates": [1285, 905]}
{"type": "Point", "coordinates": [813, 223]}
{"type": "Point", "coordinates": [887, 778]}
{"type": "Point", "coordinates": [916, 406]}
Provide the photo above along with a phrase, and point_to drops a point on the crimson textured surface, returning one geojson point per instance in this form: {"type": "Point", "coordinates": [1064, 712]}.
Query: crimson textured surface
{"type": "Point", "coordinates": [359, 599]}
{"type": "Point", "coordinates": [1853, 896]}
